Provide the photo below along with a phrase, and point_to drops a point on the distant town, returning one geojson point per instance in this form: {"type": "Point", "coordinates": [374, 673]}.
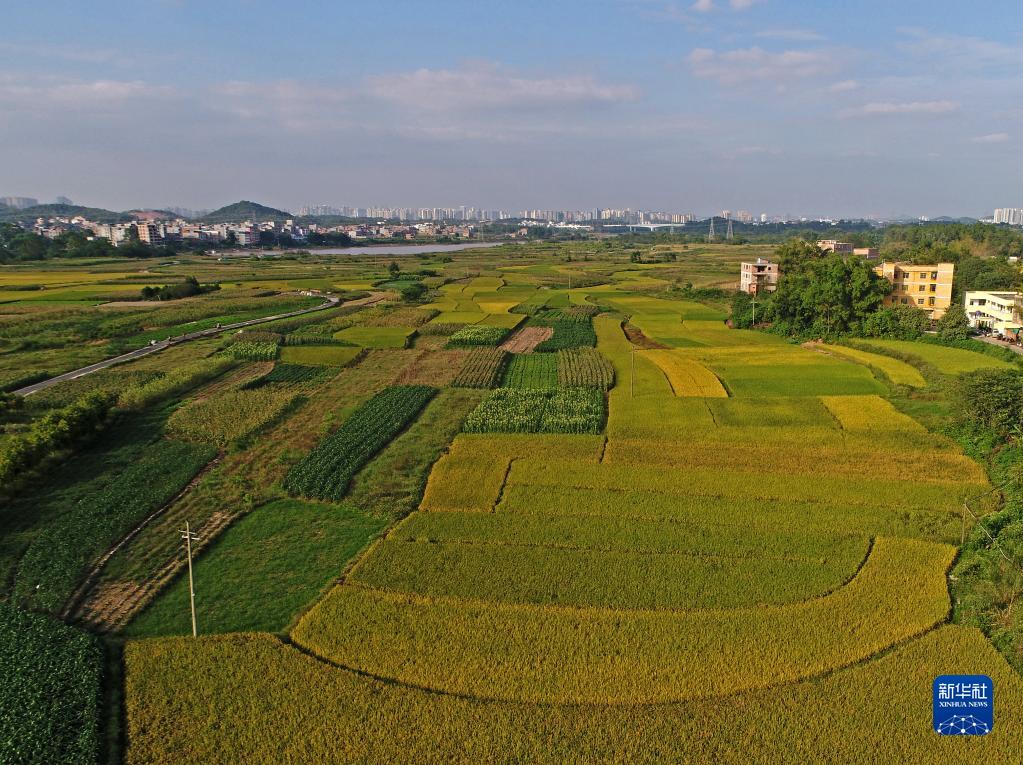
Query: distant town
{"type": "Point", "coordinates": [247, 224]}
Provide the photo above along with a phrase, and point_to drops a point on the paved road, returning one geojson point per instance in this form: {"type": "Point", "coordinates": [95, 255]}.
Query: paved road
{"type": "Point", "coordinates": [991, 341]}
{"type": "Point", "coordinates": [329, 303]}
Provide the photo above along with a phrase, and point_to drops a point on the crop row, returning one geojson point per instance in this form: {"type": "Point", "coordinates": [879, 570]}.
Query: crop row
{"type": "Point", "coordinates": [482, 368]}
{"type": "Point", "coordinates": [584, 368]}
{"type": "Point", "coordinates": [292, 374]}
{"type": "Point", "coordinates": [252, 351]}
{"type": "Point", "coordinates": [230, 417]}
{"type": "Point", "coordinates": [50, 691]}
{"type": "Point", "coordinates": [57, 559]}
{"type": "Point", "coordinates": [545, 654]}
{"type": "Point", "coordinates": [571, 410]}
{"type": "Point", "coordinates": [477, 334]}
{"type": "Point", "coordinates": [325, 472]}
{"type": "Point", "coordinates": [531, 371]}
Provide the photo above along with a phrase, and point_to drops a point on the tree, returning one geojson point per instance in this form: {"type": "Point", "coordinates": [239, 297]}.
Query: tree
{"type": "Point", "coordinates": [954, 325]}
{"type": "Point", "coordinates": [742, 310]}
{"type": "Point", "coordinates": [823, 294]}
{"type": "Point", "coordinates": [897, 322]}
{"type": "Point", "coordinates": [990, 399]}
{"type": "Point", "coordinates": [393, 269]}
{"type": "Point", "coordinates": [412, 291]}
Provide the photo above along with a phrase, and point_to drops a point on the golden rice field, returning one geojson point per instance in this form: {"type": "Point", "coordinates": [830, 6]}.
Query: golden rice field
{"type": "Point", "coordinates": [899, 372]}
{"type": "Point", "coordinates": [686, 377]}
{"type": "Point", "coordinates": [749, 564]}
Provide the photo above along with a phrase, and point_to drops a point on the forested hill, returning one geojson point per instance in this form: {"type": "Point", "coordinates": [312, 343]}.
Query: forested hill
{"type": "Point", "coordinates": [245, 210]}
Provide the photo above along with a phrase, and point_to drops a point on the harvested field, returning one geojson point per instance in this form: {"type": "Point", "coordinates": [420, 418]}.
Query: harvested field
{"type": "Point", "coordinates": [526, 339]}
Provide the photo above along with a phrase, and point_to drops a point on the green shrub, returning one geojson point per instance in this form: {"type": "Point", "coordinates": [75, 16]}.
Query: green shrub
{"type": "Point", "coordinates": [990, 398]}
{"type": "Point", "coordinates": [51, 433]}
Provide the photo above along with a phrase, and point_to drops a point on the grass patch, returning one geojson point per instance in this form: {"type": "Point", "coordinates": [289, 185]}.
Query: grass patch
{"type": "Point", "coordinates": [263, 570]}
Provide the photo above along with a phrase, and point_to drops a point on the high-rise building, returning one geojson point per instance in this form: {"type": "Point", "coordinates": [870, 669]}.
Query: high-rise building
{"type": "Point", "coordinates": [1011, 215]}
{"type": "Point", "coordinates": [62, 201]}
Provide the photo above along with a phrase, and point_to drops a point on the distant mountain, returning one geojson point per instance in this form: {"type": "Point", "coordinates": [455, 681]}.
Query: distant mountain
{"type": "Point", "coordinates": [245, 210]}
{"type": "Point", "coordinates": [947, 219]}
{"type": "Point", "coordinates": [147, 214]}
{"type": "Point", "coordinates": [63, 211]}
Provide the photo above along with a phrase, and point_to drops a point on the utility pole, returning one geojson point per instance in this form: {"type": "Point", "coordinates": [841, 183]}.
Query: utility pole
{"type": "Point", "coordinates": [188, 536]}
{"type": "Point", "coordinates": [729, 236]}
{"type": "Point", "coordinates": [754, 307]}
{"type": "Point", "coordinates": [710, 236]}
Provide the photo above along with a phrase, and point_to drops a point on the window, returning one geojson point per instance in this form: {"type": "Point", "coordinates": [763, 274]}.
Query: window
{"type": "Point", "coordinates": [930, 301]}
{"type": "Point", "coordinates": [904, 301]}
{"type": "Point", "coordinates": [934, 275]}
{"type": "Point", "coordinates": [923, 275]}
{"type": "Point", "coordinates": [920, 301]}
{"type": "Point", "coordinates": [934, 288]}
{"type": "Point", "coordinates": [921, 288]}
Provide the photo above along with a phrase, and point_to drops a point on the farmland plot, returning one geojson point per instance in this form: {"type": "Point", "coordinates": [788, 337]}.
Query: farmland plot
{"type": "Point", "coordinates": [770, 556]}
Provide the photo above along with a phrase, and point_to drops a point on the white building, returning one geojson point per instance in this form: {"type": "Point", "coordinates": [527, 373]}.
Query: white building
{"type": "Point", "coordinates": [758, 276]}
{"type": "Point", "coordinates": [1011, 215]}
{"type": "Point", "coordinates": [993, 310]}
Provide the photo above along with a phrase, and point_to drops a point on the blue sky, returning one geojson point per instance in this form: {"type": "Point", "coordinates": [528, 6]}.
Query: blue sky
{"type": "Point", "coordinates": [858, 108]}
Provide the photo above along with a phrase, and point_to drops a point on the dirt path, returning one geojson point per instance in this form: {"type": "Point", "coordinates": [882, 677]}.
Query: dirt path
{"type": "Point", "coordinates": [526, 339]}
{"type": "Point", "coordinates": [638, 339]}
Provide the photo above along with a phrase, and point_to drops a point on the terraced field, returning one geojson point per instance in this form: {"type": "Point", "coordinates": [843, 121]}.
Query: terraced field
{"type": "Point", "coordinates": [746, 561]}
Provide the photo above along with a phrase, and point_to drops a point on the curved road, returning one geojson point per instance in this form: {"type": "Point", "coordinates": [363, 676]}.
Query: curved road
{"type": "Point", "coordinates": [156, 347]}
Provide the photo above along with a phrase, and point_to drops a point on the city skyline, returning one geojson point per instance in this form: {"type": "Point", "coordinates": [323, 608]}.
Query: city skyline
{"type": "Point", "coordinates": [783, 106]}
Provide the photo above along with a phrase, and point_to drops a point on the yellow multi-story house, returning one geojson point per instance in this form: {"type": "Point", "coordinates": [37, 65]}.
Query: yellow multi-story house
{"type": "Point", "coordinates": [928, 287]}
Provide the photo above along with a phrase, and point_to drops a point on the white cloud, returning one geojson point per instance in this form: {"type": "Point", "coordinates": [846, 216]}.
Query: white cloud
{"type": "Point", "coordinates": [844, 86]}
{"type": "Point", "coordinates": [741, 5]}
{"type": "Point", "coordinates": [757, 65]}
{"type": "Point", "coordinates": [991, 138]}
{"type": "Point", "coordinates": [748, 151]}
{"type": "Point", "coordinates": [46, 92]}
{"type": "Point", "coordinates": [489, 86]}
{"type": "Point", "coordinates": [884, 108]}
{"type": "Point", "coordinates": [703, 6]}
{"type": "Point", "coordinates": [795, 35]}
{"type": "Point", "coordinates": [960, 52]}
